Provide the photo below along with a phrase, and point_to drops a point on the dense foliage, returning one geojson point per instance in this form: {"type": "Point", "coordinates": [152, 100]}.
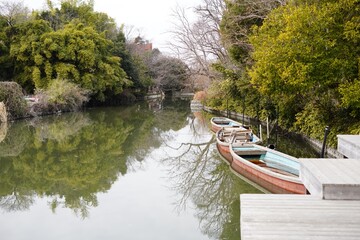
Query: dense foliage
{"type": "Point", "coordinates": [234, 91]}
{"type": "Point", "coordinates": [71, 42]}
{"type": "Point", "coordinates": [307, 61]}
{"type": "Point", "coordinates": [297, 61]}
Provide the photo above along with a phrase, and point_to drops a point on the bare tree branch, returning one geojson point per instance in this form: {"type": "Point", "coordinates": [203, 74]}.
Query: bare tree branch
{"type": "Point", "coordinates": [14, 12]}
{"type": "Point", "coordinates": [198, 43]}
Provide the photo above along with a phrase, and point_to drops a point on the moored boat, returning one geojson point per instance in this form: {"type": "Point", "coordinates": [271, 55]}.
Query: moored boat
{"type": "Point", "coordinates": [222, 122]}
{"type": "Point", "coordinates": [273, 170]}
{"type": "Point", "coordinates": [227, 136]}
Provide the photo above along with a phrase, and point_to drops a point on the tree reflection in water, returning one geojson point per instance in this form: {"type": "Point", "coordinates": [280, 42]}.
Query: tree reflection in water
{"type": "Point", "coordinates": [69, 158]}
{"type": "Point", "coordinates": [198, 173]}
{"type": "Point", "coordinates": [16, 201]}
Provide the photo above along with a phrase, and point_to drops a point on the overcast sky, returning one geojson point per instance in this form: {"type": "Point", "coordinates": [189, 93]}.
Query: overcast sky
{"type": "Point", "coordinates": [151, 17]}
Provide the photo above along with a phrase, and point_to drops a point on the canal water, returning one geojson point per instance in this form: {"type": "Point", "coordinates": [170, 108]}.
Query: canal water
{"type": "Point", "coordinates": [147, 171]}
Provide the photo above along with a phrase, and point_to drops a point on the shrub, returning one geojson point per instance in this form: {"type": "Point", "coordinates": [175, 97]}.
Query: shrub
{"type": "Point", "coordinates": [11, 94]}
{"type": "Point", "coordinates": [62, 95]}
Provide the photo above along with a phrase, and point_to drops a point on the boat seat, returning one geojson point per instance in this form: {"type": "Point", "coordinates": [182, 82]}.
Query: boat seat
{"type": "Point", "coordinates": [250, 152]}
{"type": "Point", "coordinates": [221, 122]}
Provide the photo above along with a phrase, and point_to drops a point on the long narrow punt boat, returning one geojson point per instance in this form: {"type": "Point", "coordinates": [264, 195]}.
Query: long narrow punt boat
{"type": "Point", "coordinates": [227, 136]}
{"type": "Point", "coordinates": [222, 122]}
{"type": "Point", "coordinates": [273, 170]}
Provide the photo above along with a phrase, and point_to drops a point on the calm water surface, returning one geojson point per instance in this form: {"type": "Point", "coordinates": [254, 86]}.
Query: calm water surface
{"type": "Point", "coordinates": [117, 173]}
{"type": "Point", "coordinates": [138, 172]}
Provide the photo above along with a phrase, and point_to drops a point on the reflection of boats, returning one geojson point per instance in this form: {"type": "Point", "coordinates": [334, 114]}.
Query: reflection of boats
{"type": "Point", "coordinates": [154, 92]}
{"type": "Point", "coordinates": [222, 122]}
{"type": "Point", "coordinates": [196, 106]}
{"type": "Point", "coordinates": [227, 136]}
{"type": "Point", "coordinates": [155, 102]}
{"type": "Point", "coordinates": [273, 170]}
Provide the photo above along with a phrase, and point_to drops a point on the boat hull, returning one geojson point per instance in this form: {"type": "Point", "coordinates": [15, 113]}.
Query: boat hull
{"type": "Point", "coordinates": [236, 135]}
{"type": "Point", "coordinates": [224, 151]}
{"type": "Point", "coordinates": [218, 123]}
{"type": "Point", "coordinates": [271, 184]}
{"type": "Point", "coordinates": [270, 181]}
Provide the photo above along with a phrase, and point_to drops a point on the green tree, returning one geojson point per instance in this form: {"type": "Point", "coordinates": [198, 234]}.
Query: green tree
{"type": "Point", "coordinates": [78, 11]}
{"type": "Point", "coordinates": [306, 60]}
{"type": "Point", "coordinates": [76, 52]}
{"type": "Point", "coordinates": [26, 38]}
{"type": "Point", "coordinates": [132, 64]}
{"type": "Point", "coordinates": [5, 61]}
{"type": "Point", "coordinates": [233, 81]}
{"type": "Point", "coordinates": [11, 14]}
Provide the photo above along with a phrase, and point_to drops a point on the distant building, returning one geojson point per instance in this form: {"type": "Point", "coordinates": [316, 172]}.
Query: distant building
{"type": "Point", "coordinates": [142, 45]}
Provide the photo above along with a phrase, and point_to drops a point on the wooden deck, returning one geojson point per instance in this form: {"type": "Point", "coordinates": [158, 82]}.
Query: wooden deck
{"type": "Point", "coordinates": [337, 179]}
{"type": "Point", "coordinates": [298, 217]}
{"type": "Point", "coordinates": [349, 146]}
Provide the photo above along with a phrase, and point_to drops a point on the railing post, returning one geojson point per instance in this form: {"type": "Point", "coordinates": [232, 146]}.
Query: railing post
{"type": "Point", "coordinates": [227, 108]}
{"type": "Point", "coordinates": [327, 129]}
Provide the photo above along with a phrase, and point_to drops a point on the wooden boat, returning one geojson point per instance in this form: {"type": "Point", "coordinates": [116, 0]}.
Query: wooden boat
{"type": "Point", "coordinates": [227, 136]}
{"type": "Point", "coordinates": [273, 170]}
{"type": "Point", "coordinates": [222, 122]}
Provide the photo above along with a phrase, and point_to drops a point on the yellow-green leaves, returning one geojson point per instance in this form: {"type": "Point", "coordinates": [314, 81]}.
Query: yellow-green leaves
{"type": "Point", "coordinates": [38, 59]}
{"type": "Point", "coordinates": [302, 46]}
{"type": "Point", "coordinates": [75, 52]}
{"type": "Point", "coordinates": [306, 59]}
{"type": "Point", "coordinates": [350, 92]}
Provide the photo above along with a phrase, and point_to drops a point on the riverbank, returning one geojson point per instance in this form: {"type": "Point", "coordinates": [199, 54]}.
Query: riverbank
{"type": "Point", "coordinates": [60, 96]}
{"type": "Point", "coordinates": [316, 144]}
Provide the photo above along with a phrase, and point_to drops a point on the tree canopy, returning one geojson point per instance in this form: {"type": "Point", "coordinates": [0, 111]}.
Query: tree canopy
{"type": "Point", "coordinates": [307, 60]}
{"type": "Point", "coordinates": [169, 73]}
{"type": "Point", "coordinates": [72, 42]}
{"type": "Point", "coordinates": [292, 60]}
